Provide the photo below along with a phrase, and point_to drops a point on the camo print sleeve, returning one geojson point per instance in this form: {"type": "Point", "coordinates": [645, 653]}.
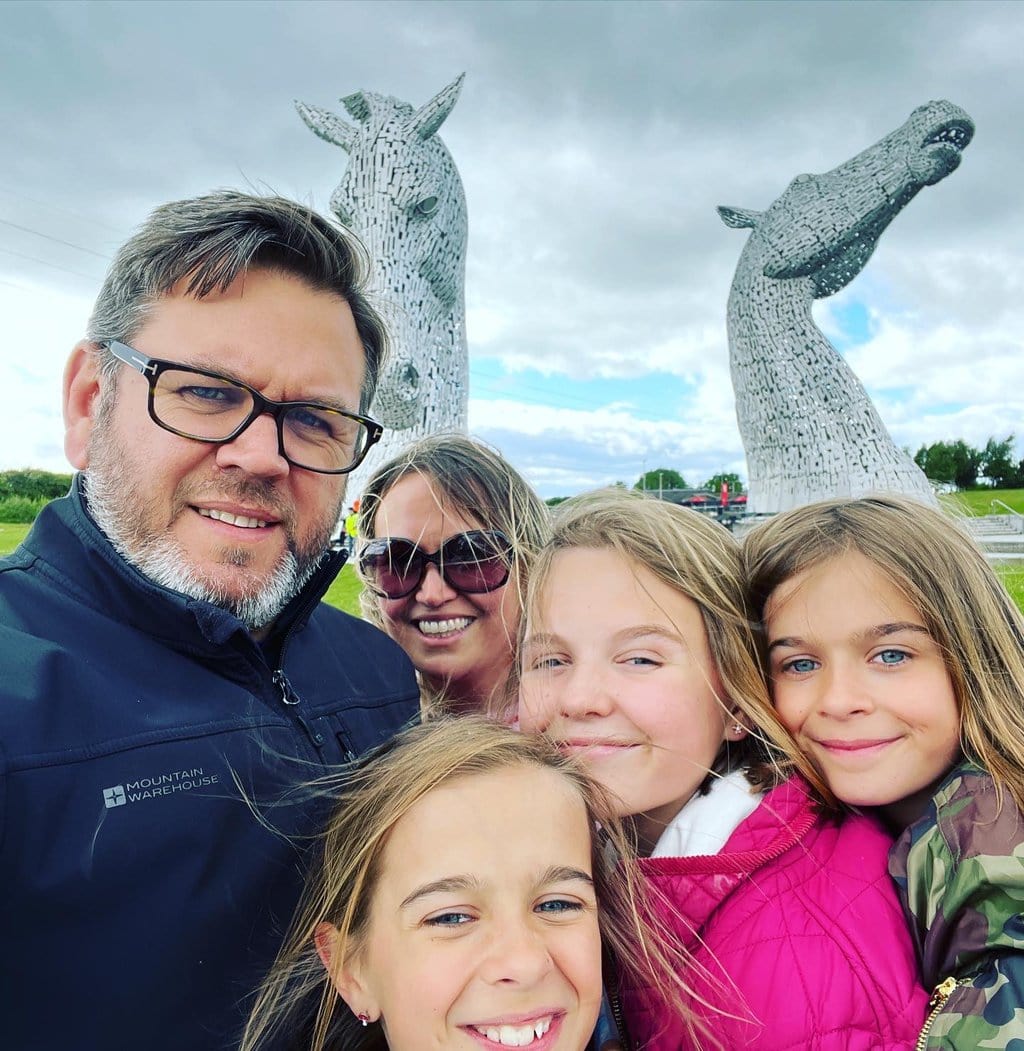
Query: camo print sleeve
{"type": "Point", "coordinates": [960, 871]}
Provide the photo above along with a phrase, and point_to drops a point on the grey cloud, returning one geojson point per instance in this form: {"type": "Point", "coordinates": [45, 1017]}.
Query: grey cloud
{"type": "Point", "coordinates": [595, 140]}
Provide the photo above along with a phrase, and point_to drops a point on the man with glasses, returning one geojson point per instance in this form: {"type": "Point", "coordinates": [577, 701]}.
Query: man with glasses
{"type": "Point", "coordinates": [170, 679]}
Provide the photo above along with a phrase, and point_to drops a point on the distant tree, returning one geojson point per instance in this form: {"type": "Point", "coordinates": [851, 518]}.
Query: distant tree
{"type": "Point", "coordinates": [554, 501]}
{"type": "Point", "coordinates": [951, 462]}
{"type": "Point", "coordinates": [968, 463]}
{"type": "Point", "coordinates": [660, 478]}
{"type": "Point", "coordinates": [997, 465]}
{"type": "Point", "coordinates": [936, 461]}
{"type": "Point", "coordinates": [714, 483]}
{"type": "Point", "coordinates": [34, 484]}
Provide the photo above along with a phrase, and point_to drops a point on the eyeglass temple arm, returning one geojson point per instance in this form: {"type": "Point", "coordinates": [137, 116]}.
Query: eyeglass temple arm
{"type": "Point", "coordinates": [130, 356]}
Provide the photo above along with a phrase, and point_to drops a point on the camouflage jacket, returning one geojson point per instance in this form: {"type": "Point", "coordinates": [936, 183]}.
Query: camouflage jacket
{"type": "Point", "coordinates": [960, 871]}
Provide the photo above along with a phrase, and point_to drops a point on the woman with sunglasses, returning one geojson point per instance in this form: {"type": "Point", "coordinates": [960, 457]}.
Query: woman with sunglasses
{"type": "Point", "coordinates": [448, 531]}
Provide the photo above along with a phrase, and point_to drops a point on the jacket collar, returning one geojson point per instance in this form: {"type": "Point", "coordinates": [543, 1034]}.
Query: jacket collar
{"type": "Point", "coordinates": [696, 885]}
{"type": "Point", "coordinates": [67, 538]}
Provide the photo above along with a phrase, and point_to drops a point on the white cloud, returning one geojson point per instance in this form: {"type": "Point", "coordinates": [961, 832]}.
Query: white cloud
{"type": "Point", "coordinates": [564, 450]}
{"type": "Point", "coordinates": [41, 326]}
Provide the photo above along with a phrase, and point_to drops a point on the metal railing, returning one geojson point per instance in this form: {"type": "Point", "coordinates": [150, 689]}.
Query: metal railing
{"type": "Point", "coordinates": [1016, 514]}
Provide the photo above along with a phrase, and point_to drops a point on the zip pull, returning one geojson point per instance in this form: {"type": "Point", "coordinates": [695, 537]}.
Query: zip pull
{"type": "Point", "coordinates": [292, 699]}
{"type": "Point", "coordinates": [288, 695]}
{"type": "Point", "coordinates": [940, 994]}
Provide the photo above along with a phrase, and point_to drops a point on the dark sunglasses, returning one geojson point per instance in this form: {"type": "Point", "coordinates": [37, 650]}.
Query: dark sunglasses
{"type": "Point", "coordinates": [473, 562]}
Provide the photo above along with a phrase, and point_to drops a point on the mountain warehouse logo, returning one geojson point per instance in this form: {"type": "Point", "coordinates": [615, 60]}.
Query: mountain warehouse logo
{"type": "Point", "coordinates": [161, 785]}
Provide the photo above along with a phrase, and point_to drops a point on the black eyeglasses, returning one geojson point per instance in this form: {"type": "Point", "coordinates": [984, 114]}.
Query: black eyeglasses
{"type": "Point", "coordinates": [473, 562]}
{"type": "Point", "coordinates": [207, 407]}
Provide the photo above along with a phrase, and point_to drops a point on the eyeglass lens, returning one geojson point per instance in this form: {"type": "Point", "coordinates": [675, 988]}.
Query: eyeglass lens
{"type": "Point", "coordinates": [212, 408]}
{"type": "Point", "coordinates": [473, 562]}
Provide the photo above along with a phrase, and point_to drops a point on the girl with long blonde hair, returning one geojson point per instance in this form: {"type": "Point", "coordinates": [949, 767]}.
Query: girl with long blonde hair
{"type": "Point", "coordinates": [468, 894]}
{"type": "Point", "coordinates": [896, 658]}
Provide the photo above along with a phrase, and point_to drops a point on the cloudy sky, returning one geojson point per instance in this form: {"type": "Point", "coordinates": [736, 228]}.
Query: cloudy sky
{"type": "Point", "coordinates": [594, 141]}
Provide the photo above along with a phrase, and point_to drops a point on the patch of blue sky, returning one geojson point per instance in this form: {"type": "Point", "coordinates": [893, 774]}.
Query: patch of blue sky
{"type": "Point", "coordinates": [651, 396]}
{"type": "Point", "coordinates": [851, 324]}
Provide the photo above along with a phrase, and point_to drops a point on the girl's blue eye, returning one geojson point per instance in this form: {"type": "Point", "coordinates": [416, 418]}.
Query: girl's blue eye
{"type": "Point", "coordinates": [559, 905]}
{"type": "Point", "coordinates": [801, 665]}
{"type": "Point", "coordinates": [892, 656]}
{"type": "Point", "coordinates": [449, 919]}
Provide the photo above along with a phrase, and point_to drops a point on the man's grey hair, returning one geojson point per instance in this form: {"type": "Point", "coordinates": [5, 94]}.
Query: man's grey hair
{"type": "Point", "coordinates": [209, 241]}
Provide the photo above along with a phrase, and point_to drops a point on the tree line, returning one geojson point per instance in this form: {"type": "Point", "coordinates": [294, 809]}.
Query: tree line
{"type": "Point", "coordinates": [663, 478]}
{"type": "Point", "coordinates": [948, 463]}
{"type": "Point", "coordinates": [957, 463]}
{"type": "Point", "coordinates": [23, 493]}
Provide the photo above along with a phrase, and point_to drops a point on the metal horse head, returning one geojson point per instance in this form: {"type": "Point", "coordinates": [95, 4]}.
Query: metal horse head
{"type": "Point", "coordinates": [826, 226]}
{"type": "Point", "coordinates": [402, 195]}
{"type": "Point", "coordinates": [809, 429]}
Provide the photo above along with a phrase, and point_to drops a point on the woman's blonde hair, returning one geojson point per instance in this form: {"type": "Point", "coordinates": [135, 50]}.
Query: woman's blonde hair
{"type": "Point", "coordinates": [933, 563]}
{"type": "Point", "coordinates": [699, 558]}
{"type": "Point", "coordinates": [298, 997]}
{"type": "Point", "coordinates": [474, 480]}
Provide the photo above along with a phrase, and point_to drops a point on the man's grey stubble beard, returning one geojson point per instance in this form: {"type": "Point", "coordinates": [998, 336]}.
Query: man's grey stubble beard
{"type": "Point", "coordinates": [113, 495]}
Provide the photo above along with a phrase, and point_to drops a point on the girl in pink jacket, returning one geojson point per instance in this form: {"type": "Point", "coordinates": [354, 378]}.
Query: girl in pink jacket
{"type": "Point", "coordinates": [639, 657]}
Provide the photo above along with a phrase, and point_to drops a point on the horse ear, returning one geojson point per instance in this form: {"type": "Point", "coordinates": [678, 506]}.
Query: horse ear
{"type": "Point", "coordinates": [328, 126]}
{"type": "Point", "coordinates": [431, 115]}
{"type": "Point", "coordinates": [357, 105]}
{"type": "Point", "coordinates": [739, 218]}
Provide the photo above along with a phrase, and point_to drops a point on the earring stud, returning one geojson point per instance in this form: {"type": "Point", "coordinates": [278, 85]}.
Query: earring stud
{"type": "Point", "coordinates": [364, 1019]}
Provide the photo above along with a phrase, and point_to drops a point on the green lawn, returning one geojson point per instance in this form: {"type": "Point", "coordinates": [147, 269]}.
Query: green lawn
{"type": "Point", "coordinates": [344, 592]}
{"type": "Point", "coordinates": [1013, 578]}
{"type": "Point", "coordinates": [980, 501]}
{"type": "Point", "coordinates": [11, 536]}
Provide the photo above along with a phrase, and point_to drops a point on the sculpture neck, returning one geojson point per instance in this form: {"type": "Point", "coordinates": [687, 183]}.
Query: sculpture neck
{"type": "Point", "coordinates": [769, 313]}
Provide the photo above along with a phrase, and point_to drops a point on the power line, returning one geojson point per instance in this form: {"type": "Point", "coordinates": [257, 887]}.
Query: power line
{"type": "Point", "coordinates": [57, 240]}
{"type": "Point", "coordinates": [59, 208]}
{"type": "Point", "coordinates": [44, 262]}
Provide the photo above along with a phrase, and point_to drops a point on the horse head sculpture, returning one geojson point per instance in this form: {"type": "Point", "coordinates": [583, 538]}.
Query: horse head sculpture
{"type": "Point", "coordinates": [809, 429]}
{"type": "Point", "coordinates": [402, 195]}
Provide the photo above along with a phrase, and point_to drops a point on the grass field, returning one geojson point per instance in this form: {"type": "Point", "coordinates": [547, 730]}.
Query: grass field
{"type": "Point", "coordinates": [981, 501]}
{"type": "Point", "coordinates": [344, 592]}
{"type": "Point", "coordinates": [11, 536]}
{"type": "Point", "coordinates": [1013, 578]}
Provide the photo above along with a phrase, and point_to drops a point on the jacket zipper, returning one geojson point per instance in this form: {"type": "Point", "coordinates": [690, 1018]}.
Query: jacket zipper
{"type": "Point", "coordinates": [289, 697]}
{"type": "Point", "coordinates": [940, 994]}
{"type": "Point", "coordinates": [292, 700]}
{"type": "Point", "coordinates": [620, 1021]}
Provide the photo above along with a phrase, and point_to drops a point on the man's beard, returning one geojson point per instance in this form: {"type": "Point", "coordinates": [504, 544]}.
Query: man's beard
{"type": "Point", "coordinates": [114, 499]}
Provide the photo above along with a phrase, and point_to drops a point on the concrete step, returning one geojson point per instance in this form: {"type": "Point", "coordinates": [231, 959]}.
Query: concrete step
{"type": "Point", "coordinates": [989, 525]}
{"type": "Point", "coordinates": [1003, 545]}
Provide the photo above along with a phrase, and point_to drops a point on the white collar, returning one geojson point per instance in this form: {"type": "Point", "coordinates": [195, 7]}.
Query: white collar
{"type": "Point", "coordinates": [705, 823]}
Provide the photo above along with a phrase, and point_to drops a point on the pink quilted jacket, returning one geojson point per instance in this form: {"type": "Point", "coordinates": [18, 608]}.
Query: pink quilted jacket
{"type": "Point", "coordinates": [797, 934]}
